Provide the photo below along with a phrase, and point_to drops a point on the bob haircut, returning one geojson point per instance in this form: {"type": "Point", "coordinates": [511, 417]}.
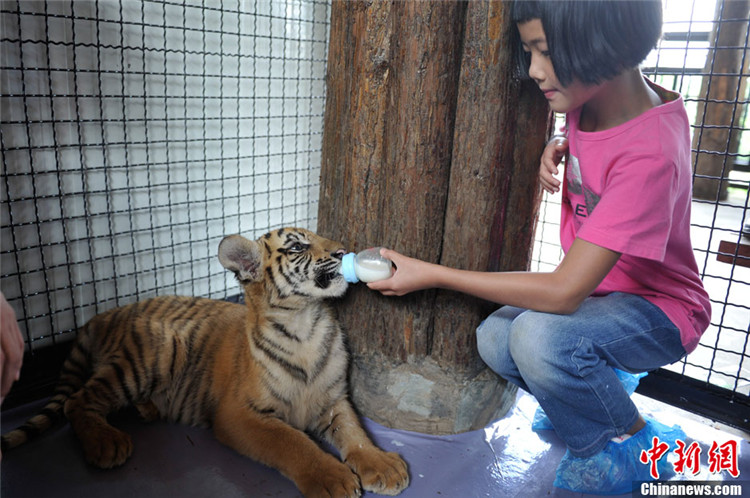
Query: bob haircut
{"type": "Point", "coordinates": [591, 41]}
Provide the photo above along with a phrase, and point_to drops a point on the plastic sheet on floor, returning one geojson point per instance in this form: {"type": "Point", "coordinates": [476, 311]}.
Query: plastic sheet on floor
{"type": "Point", "coordinates": [506, 459]}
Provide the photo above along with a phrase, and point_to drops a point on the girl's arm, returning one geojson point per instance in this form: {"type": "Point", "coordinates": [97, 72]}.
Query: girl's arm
{"type": "Point", "coordinates": [561, 291]}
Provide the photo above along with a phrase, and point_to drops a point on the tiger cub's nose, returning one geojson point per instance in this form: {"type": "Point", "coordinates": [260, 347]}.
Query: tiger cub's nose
{"type": "Point", "coordinates": [338, 254]}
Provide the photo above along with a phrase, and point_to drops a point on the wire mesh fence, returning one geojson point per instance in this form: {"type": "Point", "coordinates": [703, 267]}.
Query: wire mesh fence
{"type": "Point", "coordinates": [704, 55]}
{"type": "Point", "coordinates": [135, 135]}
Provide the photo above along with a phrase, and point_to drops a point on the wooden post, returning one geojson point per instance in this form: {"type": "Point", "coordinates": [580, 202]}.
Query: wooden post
{"type": "Point", "coordinates": [430, 147]}
{"type": "Point", "coordinates": [719, 110]}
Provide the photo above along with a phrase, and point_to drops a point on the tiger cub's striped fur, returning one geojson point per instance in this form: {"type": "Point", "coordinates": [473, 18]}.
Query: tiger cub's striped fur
{"type": "Point", "coordinates": [260, 374]}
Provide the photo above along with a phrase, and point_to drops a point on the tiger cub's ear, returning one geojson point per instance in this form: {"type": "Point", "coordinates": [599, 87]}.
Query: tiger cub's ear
{"type": "Point", "coordinates": [241, 256]}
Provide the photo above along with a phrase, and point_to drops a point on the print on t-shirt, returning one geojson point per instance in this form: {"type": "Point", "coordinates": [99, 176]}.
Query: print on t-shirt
{"type": "Point", "coordinates": [576, 186]}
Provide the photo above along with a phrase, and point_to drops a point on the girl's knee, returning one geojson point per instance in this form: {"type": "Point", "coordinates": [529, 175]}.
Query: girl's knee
{"type": "Point", "coordinates": [492, 344]}
{"type": "Point", "coordinates": [487, 344]}
{"type": "Point", "coordinates": [536, 345]}
{"type": "Point", "coordinates": [527, 338]}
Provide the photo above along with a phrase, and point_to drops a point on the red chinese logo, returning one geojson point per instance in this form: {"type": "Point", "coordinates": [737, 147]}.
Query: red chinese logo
{"type": "Point", "coordinates": [723, 457]}
{"type": "Point", "coordinates": [653, 455]}
{"type": "Point", "coordinates": [688, 457]}
{"type": "Point", "coordinates": [720, 457]}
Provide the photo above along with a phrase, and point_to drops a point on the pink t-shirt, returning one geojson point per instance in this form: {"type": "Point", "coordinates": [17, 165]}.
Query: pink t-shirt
{"type": "Point", "coordinates": [628, 189]}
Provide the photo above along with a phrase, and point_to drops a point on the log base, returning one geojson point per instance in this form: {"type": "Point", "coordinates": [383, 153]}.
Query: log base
{"type": "Point", "coordinates": [421, 396]}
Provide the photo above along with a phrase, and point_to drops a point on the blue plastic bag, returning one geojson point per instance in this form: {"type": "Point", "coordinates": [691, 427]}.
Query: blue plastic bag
{"type": "Point", "coordinates": [618, 468]}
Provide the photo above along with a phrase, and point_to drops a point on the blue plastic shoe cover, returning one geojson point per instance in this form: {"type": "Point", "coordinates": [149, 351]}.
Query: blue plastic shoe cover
{"type": "Point", "coordinates": [541, 421]}
{"type": "Point", "coordinates": [630, 381]}
{"type": "Point", "coordinates": [617, 469]}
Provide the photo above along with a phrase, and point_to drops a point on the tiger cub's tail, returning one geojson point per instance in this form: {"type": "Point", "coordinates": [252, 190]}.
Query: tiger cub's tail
{"type": "Point", "coordinates": [75, 372]}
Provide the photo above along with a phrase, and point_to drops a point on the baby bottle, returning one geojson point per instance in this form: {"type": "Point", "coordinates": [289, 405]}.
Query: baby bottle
{"type": "Point", "coordinates": [365, 266]}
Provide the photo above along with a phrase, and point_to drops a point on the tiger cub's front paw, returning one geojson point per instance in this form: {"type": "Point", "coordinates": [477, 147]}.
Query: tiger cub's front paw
{"type": "Point", "coordinates": [380, 472]}
{"type": "Point", "coordinates": [106, 447]}
{"type": "Point", "coordinates": [331, 479]}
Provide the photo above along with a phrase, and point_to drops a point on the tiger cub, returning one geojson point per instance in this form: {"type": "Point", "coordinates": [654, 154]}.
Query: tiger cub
{"type": "Point", "coordinates": [259, 374]}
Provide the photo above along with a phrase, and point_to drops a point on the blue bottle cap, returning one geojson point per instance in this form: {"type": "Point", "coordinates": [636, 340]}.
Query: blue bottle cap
{"type": "Point", "coordinates": [347, 268]}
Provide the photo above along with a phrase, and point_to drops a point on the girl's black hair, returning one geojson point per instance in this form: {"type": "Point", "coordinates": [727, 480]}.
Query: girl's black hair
{"type": "Point", "coordinates": [591, 40]}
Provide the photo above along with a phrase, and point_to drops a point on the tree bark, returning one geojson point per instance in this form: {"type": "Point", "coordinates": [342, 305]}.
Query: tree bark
{"type": "Point", "coordinates": [719, 113]}
{"type": "Point", "coordinates": [491, 212]}
{"type": "Point", "coordinates": [430, 147]}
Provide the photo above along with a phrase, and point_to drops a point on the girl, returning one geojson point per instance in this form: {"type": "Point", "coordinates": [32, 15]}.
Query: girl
{"type": "Point", "coordinates": [627, 294]}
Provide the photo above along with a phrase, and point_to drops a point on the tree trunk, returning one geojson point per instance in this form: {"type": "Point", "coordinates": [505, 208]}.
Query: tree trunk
{"type": "Point", "coordinates": [719, 112]}
{"type": "Point", "coordinates": [430, 147]}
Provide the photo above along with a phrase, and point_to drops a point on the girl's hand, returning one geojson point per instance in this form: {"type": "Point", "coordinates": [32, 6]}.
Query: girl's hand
{"type": "Point", "coordinates": [410, 275]}
{"type": "Point", "coordinates": [551, 157]}
{"type": "Point", "coordinates": [11, 347]}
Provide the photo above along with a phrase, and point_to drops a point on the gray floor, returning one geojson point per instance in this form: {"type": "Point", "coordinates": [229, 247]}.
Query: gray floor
{"type": "Point", "coordinates": [506, 459]}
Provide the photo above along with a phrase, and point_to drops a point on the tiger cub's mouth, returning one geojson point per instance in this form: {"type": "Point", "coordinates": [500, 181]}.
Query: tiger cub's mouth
{"type": "Point", "coordinates": [327, 274]}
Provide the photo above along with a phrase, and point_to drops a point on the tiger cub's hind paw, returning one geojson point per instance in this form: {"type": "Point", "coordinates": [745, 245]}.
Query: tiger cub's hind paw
{"type": "Point", "coordinates": [106, 447]}
{"type": "Point", "coordinates": [380, 472]}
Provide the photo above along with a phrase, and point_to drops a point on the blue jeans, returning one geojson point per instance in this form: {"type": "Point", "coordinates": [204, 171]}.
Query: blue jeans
{"type": "Point", "coordinates": [567, 361]}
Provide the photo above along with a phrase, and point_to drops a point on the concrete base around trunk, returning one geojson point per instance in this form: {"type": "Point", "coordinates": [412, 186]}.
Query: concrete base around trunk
{"type": "Point", "coordinates": [425, 397]}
